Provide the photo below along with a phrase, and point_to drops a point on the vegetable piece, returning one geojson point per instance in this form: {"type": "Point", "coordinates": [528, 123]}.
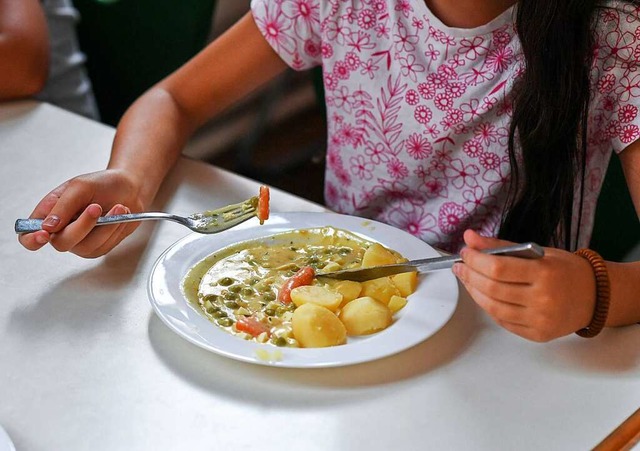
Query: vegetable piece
{"type": "Point", "coordinates": [377, 255]}
{"type": "Point", "coordinates": [380, 289]}
{"type": "Point", "coordinates": [251, 326]}
{"type": "Point", "coordinates": [396, 303]}
{"type": "Point", "coordinates": [348, 289]}
{"type": "Point", "coordinates": [315, 326]}
{"type": "Point", "coordinates": [365, 316]}
{"type": "Point", "coordinates": [316, 294]}
{"type": "Point", "coordinates": [304, 276]}
{"type": "Point", "coordinates": [263, 204]}
{"type": "Point", "coordinates": [406, 282]}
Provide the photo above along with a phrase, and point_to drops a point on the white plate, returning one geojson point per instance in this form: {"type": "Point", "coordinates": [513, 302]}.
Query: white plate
{"type": "Point", "coordinates": [428, 309]}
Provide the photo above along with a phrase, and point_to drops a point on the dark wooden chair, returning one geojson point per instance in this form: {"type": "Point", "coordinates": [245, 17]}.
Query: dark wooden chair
{"type": "Point", "coordinates": [616, 230]}
{"type": "Point", "coordinates": [132, 44]}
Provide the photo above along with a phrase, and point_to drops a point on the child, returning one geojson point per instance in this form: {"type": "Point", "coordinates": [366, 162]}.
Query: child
{"type": "Point", "coordinates": [444, 117]}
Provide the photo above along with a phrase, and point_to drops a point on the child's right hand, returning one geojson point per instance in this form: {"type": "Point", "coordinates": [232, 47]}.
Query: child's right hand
{"type": "Point", "coordinates": [72, 209]}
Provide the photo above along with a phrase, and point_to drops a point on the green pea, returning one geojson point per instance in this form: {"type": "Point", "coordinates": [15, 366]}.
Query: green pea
{"type": "Point", "coordinates": [270, 312]}
{"type": "Point", "coordinates": [219, 314]}
{"type": "Point", "coordinates": [345, 250]}
{"type": "Point", "coordinates": [232, 305]}
{"type": "Point", "coordinates": [213, 298]}
{"type": "Point", "coordinates": [235, 288]}
{"type": "Point", "coordinates": [269, 296]}
{"type": "Point", "coordinates": [262, 286]}
{"type": "Point", "coordinates": [230, 296]}
{"type": "Point", "coordinates": [226, 281]}
{"type": "Point", "coordinates": [225, 322]}
{"type": "Point", "coordinates": [280, 341]}
{"type": "Point", "coordinates": [212, 309]}
{"type": "Point", "coordinates": [247, 291]}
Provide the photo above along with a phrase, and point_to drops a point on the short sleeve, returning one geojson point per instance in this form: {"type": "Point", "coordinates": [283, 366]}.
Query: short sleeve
{"type": "Point", "coordinates": [292, 28]}
{"type": "Point", "coordinates": [615, 104]}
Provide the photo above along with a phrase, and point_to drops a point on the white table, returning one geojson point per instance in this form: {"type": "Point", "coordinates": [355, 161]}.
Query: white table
{"type": "Point", "coordinates": [86, 365]}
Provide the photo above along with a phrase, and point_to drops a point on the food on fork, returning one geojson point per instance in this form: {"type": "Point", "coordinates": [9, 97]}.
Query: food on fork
{"type": "Point", "coordinates": [266, 290]}
{"type": "Point", "coordinates": [263, 204]}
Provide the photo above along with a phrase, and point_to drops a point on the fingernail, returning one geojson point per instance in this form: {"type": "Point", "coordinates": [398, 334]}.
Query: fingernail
{"type": "Point", "coordinates": [94, 210]}
{"type": "Point", "coordinates": [463, 252]}
{"type": "Point", "coordinates": [51, 221]}
{"type": "Point", "coordinates": [41, 239]}
{"type": "Point", "coordinates": [456, 269]}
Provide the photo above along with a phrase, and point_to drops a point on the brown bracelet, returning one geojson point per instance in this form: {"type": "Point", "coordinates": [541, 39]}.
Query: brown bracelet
{"type": "Point", "coordinates": [603, 293]}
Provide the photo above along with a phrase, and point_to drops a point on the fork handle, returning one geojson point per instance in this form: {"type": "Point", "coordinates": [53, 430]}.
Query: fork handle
{"type": "Point", "coordinates": [33, 225]}
{"type": "Point", "coordinates": [28, 225]}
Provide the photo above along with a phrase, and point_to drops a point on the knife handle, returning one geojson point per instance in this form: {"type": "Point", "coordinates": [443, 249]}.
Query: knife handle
{"type": "Point", "coordinates": [522, 250]}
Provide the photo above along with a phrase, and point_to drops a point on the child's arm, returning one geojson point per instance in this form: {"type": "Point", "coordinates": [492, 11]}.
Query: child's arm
{"type": "Point", "coordinates": [24, 48]}
{"type": "Point", "coordinates": [149, 139]}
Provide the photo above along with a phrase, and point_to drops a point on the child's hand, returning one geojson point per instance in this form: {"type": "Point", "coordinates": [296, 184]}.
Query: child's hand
{"type": "Point", "coordinates": [538, 299]}
{"type": "Point", "coordinates": [72, 209]}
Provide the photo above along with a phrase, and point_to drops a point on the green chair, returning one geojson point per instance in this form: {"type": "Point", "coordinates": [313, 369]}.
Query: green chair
{"type": "Point", "coordinates": [132, 44]}
{"type": "Point", "coordinates": [616, 230]}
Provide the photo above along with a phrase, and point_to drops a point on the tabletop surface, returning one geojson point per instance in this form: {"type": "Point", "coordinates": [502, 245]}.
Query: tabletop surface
{"type": "Point", "coordinates": [86, 364]}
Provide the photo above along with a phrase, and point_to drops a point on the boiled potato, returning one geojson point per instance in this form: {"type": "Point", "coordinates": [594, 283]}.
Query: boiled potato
{"type": "Point", "coordinates": [348, 289]}
{"type": "Point", "coordinates": [396, 303]}
{"type": "Point", "coordinates": [316, 294]}
{"type": "Point", "coordinates": [380, 289]}
{"type": "Point", "coordinates": [377, 255]}
{"type": "Point", "coordinates": [365, 316]}
{"type": "Point", "coordinates": [331, 266]}
{"type": "Point", "coordinates": [315, 326]}
{"type": "Point", "coordinates": [405, 282]}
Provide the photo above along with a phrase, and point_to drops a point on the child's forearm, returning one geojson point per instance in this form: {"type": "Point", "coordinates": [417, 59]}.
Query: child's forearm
{"type": "Point", "coordinates": [624, 307]}
{"type": "Point", "coordinates": [149, 140]}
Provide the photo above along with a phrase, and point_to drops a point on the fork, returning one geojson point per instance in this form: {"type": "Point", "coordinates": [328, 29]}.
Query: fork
{"type": "Point", "coordinates": [210, 221]}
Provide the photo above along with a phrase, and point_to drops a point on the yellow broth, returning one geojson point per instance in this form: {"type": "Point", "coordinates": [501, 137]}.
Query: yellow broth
{"type": "Point", "coordinates": [244, 279]}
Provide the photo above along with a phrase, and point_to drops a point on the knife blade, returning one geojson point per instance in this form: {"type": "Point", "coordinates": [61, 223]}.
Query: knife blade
{"type": "Point", "coordinates": [523, 250]}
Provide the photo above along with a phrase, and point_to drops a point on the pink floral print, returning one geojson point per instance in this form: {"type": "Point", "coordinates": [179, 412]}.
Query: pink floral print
{"type": "Point", "coordinates": [418, 113]}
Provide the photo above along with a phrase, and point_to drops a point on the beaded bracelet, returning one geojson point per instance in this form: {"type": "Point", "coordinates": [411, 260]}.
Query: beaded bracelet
{"type": "Point", "coordinates": [603, 293]}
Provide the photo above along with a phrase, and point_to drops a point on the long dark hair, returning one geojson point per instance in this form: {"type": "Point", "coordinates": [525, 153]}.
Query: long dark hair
{"type": "Point", "coordinates": [550, 119]}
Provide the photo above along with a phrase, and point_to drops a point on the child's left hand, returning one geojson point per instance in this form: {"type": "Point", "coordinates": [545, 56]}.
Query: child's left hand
{"type": "Point", "coordinates": [539, 299]}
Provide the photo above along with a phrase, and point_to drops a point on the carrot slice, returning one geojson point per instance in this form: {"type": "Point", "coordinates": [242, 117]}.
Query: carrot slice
{"type": "Point", "coordinates": [251, 325]}
{"type": "Point", "coordinates": [304, 276]}
{"type": "Point", "coordinates": [263, 204]}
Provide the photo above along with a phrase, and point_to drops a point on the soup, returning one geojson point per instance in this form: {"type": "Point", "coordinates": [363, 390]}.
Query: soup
{"type": "Point", "coordinates": [239, 287]}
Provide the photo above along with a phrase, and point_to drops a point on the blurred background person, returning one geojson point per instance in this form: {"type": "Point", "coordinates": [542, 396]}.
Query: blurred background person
{"type": "Point", "coordinates": [24, 48]}
{"type": "Point", "coordinates": [40, 55]}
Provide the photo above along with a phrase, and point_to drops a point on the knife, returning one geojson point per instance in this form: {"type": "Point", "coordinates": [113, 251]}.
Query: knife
{"type": "Point", "coordinates": [524, 250]}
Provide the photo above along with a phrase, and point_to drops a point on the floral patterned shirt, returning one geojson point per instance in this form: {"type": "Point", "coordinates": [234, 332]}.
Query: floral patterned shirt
{"type": "Point", "coordinates": [419, 112]}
